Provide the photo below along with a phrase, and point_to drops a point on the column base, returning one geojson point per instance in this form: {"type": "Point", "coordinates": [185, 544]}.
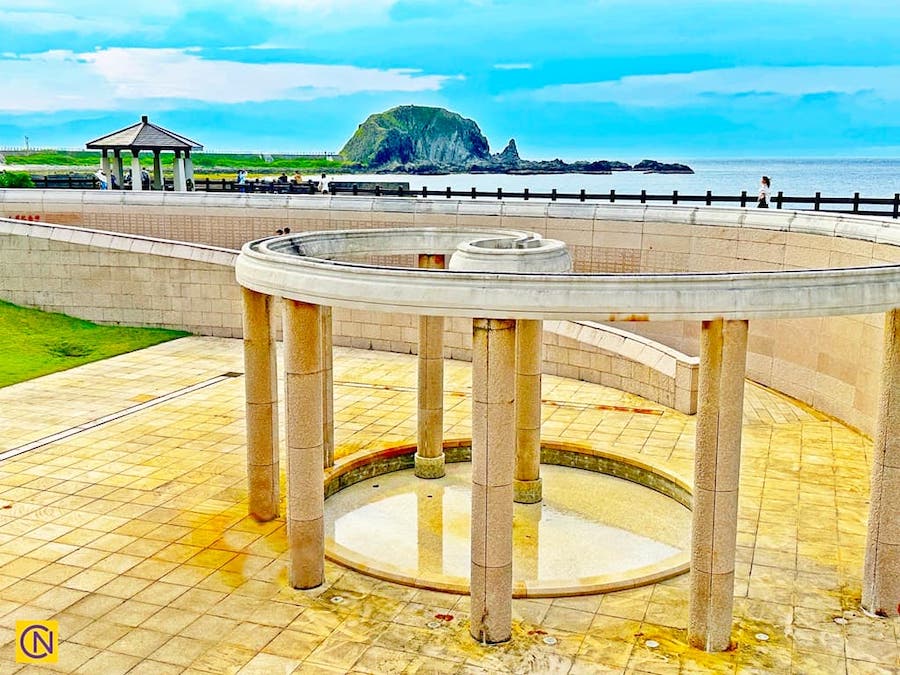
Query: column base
{"type": "Point", "coordinates": [429, 467]}
{"type": "Point", "coordinates": [527, 491]}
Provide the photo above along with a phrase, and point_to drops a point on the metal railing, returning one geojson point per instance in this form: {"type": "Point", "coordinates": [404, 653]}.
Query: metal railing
{"type": "Point", "coordinates": [857, 204]}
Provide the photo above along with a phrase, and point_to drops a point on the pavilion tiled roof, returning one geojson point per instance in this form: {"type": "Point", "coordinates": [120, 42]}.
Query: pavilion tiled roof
{"type": "Point", "coordinates": [143, 136]}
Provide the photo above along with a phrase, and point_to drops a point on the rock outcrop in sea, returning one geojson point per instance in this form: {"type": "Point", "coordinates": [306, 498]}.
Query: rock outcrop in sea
{"type": "Point", "coordinates": [425, 140]}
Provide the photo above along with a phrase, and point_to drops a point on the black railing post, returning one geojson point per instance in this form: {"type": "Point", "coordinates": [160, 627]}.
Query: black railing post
{"type": "Point", "coordinates": [70, 182]}
{"type": "Point", "coordinates": [525, 194]}
{"type": "Point", "coordinates": [355, 189]}
{"type": "Point", "coordinates": [709, 197]}
{"type": "Point", "coordinates": [779, 198]}
{"type": "Point", "coordinates": [817, 204]}
{"type": "Point", "coordinates": [473, 193]}
{"type": "Point", "coordinates": [896, 204]}
{"type": "Point", "coordinates": [377, 190]}
{"type": "Point", "coordinates": [612, 196]}
{"type": "Point", "coordinates": [553, 195]}
{"type": "Point", "coordinates": [855, 202]}
{"type": "Point", "coordinates": [499, 193]}
{"type": "Point", "coordinates": [581, 197]}
{"type": "Point", "coordinates": [425, 191]}
{"type": "Point", "coordinates": [743, 198]}
{"type": "Point", "coordinates": [449, 192]}
{"type": "Point", "coordinates": [643, 196]}
{"type": "Point", "coordinates": [399, 190]}
{"type": "Point", "coordinates": [674, 196]}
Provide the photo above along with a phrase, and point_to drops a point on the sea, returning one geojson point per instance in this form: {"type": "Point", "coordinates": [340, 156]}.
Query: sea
{"type": "Point", "coordinates": [878, 178]}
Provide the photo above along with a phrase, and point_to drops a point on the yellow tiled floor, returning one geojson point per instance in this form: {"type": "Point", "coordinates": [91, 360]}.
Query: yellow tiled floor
{"type": "Point", "coordinates": [133, 535]}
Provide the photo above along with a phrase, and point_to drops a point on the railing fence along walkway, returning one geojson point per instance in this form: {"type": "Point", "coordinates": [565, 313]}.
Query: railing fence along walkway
{"type": "Point", "coordinates": [889, 206]}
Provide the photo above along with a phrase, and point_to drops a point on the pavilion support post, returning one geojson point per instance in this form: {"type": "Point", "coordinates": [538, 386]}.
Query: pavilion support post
{"type": "Point", "coordinates": [529, 343]}
{"type": "Point", "coordinates": [261, 387]}
{"type": "Point", "coordinates": [302, 327]}
{"type": "Point", "coordinates": [118, 170]}
{"type": "Point", "coordinates": [178, 167]}
{"type": "Point", "coordinates": [717, 461]}
{"type": "Point", "coordinates": [188, 168]}
{"type": "Point", "coordinates": [429, 459]}
{"type": "Point", "coordinates": [157, 170]}
{"type": "Point", "coordinates": [136, 183]}
{"type": "Point", "coordinates": [104, 167]}
{"type": "Point", "coordinates": [881, 575]}
{"type": "Point", "coordinates": [493, 457]}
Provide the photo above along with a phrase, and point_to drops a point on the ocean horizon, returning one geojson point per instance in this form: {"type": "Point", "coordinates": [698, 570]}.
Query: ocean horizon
{"type": "Point", "coordinates": [879, 178]}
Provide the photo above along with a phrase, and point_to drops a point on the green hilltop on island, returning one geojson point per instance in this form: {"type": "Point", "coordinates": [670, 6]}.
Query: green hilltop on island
{"type": "Point", "coordinates": [424, 140]}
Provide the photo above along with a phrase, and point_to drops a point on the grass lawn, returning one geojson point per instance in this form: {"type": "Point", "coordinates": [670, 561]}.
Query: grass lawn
{"type": "Point", "coordinates": [36, 343]}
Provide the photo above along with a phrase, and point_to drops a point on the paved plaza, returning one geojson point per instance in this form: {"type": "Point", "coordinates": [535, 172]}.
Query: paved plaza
{"type": "Point", "coordinates": [124, 517]}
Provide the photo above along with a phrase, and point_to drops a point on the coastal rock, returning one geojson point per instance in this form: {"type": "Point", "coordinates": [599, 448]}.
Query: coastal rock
{"type": "Point", "coordinates": [652, 166]}
{"type": "Point", "coordinates": [509, 156]}
{"type": "Point", "coordinates": [424, 140]}
{"type": "Point", "coordinates": [416, 134]}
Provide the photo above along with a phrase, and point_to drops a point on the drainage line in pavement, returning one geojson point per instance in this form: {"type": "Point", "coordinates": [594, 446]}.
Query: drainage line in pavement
{"type": "Point", "coordinates": [71, 431]}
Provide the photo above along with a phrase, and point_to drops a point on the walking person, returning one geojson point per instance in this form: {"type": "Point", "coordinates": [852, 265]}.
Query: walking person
{"type": "Point", "coordinates": [762, 201]}
{"type": "Point", "coordinates": [323, 184]}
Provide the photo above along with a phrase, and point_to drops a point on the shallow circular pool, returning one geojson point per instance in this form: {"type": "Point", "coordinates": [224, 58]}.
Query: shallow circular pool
{"type": "Point", "coordinates": [591, 533]}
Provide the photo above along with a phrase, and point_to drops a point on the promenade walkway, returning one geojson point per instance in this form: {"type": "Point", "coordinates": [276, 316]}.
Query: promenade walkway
{"type": "Point", "coordinates": [124, 517]}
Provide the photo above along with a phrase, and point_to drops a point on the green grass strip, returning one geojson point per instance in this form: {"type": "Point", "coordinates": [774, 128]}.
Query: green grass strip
{"type": "Point", "coordinates": [37, 343]}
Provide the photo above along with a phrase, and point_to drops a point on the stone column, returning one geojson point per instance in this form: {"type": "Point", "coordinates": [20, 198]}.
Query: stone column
{"type": "Point", "coordinates": [104, 167]}
{"type": "Point", "coordinates": [327, 389]}
{"type": "Point", "coordinates": [881, 575]}
{"type": "Point", "coordinates": [178, 169]}
{"type": "Point", "coordinates": [305, 475]}
{"type": "Point", "coordinates": [527, 483]}
{"type": "Point", "coordinates": [429, 459]}
{"type": "Point", "coordinates": [717, 461]}
{"type": "Point", "coordinates": [261, 386]}
{"type": "Point", "coordinates": [118, 169]}
{"type": "Point", "coordinates": [136, 184]}
{"type": "Point", "coordinates": [493, 457]}
{"type": "Point", "coordinates": [157, 171]}
{"type": "Point", "coordinates": [188, 167]}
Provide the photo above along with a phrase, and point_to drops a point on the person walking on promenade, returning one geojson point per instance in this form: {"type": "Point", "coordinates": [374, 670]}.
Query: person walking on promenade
{"type": "Point", "coordinates": [323, 184]}
{"type": "Point", "coordinates": [762, 201]}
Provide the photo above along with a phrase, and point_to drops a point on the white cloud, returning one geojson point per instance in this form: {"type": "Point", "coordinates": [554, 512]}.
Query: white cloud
{"type": "Point", "coordinates": [513, 66]}
{"type": "Point", "coordinates": [680, 89]}
{"type": "Point", "coordinates": [87, 17]}
{"type": "Point", "coordinates": [119, 78]}
{"type": "Point", "coordinates": [327, 16]}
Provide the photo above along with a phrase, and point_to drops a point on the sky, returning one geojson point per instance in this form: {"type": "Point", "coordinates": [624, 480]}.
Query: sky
{"type": "Point", "coordinates": [583, 79]}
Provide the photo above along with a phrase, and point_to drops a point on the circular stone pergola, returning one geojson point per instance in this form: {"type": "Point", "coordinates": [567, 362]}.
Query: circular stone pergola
{"type": "Point", "coordinates": [315, 271]}
{"type": "Point", "coordinates": [146, 136]}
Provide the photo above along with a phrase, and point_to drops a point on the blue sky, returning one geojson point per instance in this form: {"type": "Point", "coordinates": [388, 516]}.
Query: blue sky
{"type": "Point", "coordinates": [584, 79]}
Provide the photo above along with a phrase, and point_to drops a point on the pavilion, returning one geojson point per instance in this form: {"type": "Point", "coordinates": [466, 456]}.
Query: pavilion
{"type": "Point", "coordinates": [146, 136]}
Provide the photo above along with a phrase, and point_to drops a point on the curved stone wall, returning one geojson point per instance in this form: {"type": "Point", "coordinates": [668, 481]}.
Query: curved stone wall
{"type": "Point", "coordinates": [830, 363]}
{"type": "Point", "coordinates": [145, 282]}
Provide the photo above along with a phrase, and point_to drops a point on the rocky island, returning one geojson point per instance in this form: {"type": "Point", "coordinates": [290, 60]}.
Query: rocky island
{"type": "Point", "coordinates": [424, 140]}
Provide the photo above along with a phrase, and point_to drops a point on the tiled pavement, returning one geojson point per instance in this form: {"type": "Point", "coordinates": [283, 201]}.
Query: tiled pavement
{"type": "Point", "coordinates": [132, 534]}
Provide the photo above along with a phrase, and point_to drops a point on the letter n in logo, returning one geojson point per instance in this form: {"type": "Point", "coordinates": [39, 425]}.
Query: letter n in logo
{"type": "Point", "coordinates": [37, 641]}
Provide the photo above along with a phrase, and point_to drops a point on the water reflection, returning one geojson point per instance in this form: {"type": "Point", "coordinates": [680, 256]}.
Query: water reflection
{"type": "Point", "coordinates": [588, 525]}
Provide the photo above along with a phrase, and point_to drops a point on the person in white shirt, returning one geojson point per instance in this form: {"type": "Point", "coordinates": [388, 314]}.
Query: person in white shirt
{"type": "Point", "coordinates": [323, 184]}
{"type": "Point", "coordinates": [762, 201]}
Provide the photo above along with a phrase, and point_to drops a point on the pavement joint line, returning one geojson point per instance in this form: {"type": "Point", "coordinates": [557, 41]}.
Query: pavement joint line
{"type": "Point", "coordinates": [554, 402]}
{"type": "Point", "coordinates": [119, 414]}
